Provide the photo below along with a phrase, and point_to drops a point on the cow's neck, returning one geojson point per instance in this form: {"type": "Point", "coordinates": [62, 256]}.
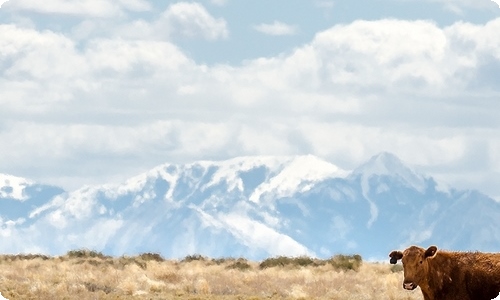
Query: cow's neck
{"type": "Point", "coordinates": [439, 276]}
{"type": "Point", "coordinates": [426, 289]}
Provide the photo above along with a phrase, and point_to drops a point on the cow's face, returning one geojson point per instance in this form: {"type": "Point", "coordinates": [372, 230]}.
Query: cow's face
{"type": "Point", "coordinates": [415, 264]}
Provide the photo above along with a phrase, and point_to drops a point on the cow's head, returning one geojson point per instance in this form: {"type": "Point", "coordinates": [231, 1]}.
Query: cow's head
{"type": "Point", "coordinates": [415, 264]}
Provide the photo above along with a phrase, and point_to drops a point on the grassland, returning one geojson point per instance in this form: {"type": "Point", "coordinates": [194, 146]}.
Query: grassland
{"type": "Point", "coordinates": [86, 274]}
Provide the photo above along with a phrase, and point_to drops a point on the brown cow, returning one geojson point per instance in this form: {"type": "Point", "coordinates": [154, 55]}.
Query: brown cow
{"type": "Point", "coordinates": [446, 275]}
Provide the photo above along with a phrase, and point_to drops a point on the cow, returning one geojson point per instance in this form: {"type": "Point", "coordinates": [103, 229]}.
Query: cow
{"type": "Point", "coordinates": [450, 275]}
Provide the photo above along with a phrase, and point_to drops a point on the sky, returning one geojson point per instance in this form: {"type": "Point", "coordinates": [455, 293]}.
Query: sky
{"type": "Point", "coordinates": [97, 91]}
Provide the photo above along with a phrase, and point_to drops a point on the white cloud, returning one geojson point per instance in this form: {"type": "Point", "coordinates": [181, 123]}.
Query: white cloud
{"type": "Point", "coordinates": [188, 20]}
{"type": "Point", "coordinates": [95, 8]}
{"type": "Point", "coordinates": [385, 52]}
{"type": "Point", "coordinates": [276, 28]}
{"type": "Point", "coordinates": [57, 220]}
{"type": "Point", "coordinates": [127, 56]}
{"type": "Point", "coordinates": [116, 105]}
{"type": "Point", "coordinates": [192, 20]}
{"type": "Point", "coordinates": [460, 7]}
{"type": "Point", "coordinates": [41, 56]}
{"type": "Point", "coordinates": [135, 5]}
{"type": "Point", "coordinates": [497, 2]}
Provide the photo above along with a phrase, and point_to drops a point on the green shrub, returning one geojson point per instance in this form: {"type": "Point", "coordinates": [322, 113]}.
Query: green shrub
{"type": "Point", "coordinates": [282, 261]}
{"type": "Point", "coordinates": [222, 260]}
{"type": "Point", "coordinates": [85, 253]}
{"type": "Point", "coordinates": [303, 261]}
{"type": "Point", "coordinates": [240, 264]}
{"type": "Point", "coordinates": [194, 257]}
{"type": "Point", "coordinates": [271, 262]}
{"type": "Point", "coordinates": [346, 262]}
{"type": "Point", "coordinates": [151, 257]}
{"type": "Point", "coordinates": [11, 257]}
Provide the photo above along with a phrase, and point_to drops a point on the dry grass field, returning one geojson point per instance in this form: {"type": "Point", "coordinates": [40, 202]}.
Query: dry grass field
{"type": "Point", "coordinates": [86, 274]}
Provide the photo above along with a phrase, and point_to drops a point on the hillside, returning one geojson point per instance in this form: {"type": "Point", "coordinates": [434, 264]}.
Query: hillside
{"type": "Point", "coordinates": [82, 276]}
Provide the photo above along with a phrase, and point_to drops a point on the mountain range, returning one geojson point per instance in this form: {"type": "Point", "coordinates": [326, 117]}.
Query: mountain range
{"type": "Point", "coordinates": [252, 207]}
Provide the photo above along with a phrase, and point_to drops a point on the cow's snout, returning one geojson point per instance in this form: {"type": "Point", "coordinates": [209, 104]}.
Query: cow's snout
{"type": "Point", "coordinates": [409, 285]}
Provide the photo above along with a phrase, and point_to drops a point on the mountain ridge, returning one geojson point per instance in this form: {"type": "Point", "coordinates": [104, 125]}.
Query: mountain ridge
{"type": "Point", "coordinates": [255, 207]}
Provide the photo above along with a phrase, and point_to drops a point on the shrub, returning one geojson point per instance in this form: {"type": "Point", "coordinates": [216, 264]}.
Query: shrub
{"type": "Point", "coordinates": [194, 257]}
{"type": "Point", "coordinates": [25, 257]}
{"type": "Point", "coordinates": [126, 260]}
{"type": "Point", "coordinates": [346, 262]}
{"type": "Point", "coordinates": [279, 261]}
{"type": "Point", "coordinates": [282, 261]}
{"type": "Point", "coordinates": [85, 253]}
{"type": "Point", "coordinates": [229, 261]}
{"type": "Point", "coordinates": [222, 260]}
{"type": "Point", "coordinates": [303, 261]}
{"type": "Point", "coordinates": [240, 264]}
{"type": "Point", "coordinates": [151, 257]}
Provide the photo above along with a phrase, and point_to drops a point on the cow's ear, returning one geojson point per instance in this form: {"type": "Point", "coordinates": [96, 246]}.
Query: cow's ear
{"type": "Point", "coordinates": [431, 251]}
{"type": "Point", "coordinates": [395, 256]}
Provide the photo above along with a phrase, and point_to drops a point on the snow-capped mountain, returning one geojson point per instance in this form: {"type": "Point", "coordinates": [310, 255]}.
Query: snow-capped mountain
{"type": "Point", "coordinates": [18, 196]}
{"type": "Point", "coordinates": [253, 207]}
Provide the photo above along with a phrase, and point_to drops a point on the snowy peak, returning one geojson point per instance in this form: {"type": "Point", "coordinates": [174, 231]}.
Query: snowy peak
{"type": "Point", "coordinates": [299, 174]}
{"type": "Point", "coordinates": [20, 196]}
{"type": "Point", "coordinates": [306, 167]}
{"type": "Point", "coordinates": [382, 164]}
{"type": "Point", "coordinates": [387, 164]}
{"type": "Point", "coordinates": [13, 187]}
{"type": "Point", "coordinates": [273, 176]}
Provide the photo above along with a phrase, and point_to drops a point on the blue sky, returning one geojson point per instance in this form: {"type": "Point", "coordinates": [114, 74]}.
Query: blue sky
{"type": "Point", "coordinates": [96, 91]}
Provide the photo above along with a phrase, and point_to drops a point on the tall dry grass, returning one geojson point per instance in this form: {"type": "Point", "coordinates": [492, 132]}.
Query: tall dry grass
{"type": "Point", "coordinates": [91, 275]}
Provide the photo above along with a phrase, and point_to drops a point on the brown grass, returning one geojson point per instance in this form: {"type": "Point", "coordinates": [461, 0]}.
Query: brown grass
{"type": "Point", "coordinates": [85, 275]}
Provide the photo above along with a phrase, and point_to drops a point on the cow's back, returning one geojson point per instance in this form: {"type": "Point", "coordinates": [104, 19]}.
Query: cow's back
{"type": "Point", "coordinates": [464, 276]}
{"type": "Point", "coordinates": [481, 275]}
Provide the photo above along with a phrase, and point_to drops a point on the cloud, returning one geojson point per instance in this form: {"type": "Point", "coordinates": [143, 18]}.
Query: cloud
{"type": "Point", "coordinates": [460, 7]}
{"type": "Point", "coordinates": [192, 20]}
{"type": "Point", "coordinates": [377, 50]}
{"type": "Point", "coordinates": [185, 20]}
{"type": "Point", "coordinates": [135, 5]}
{"type": "Point", "coordinates": [497, 2]}
{"type": "Point", "coordinates": [276, 28]}
{"type": "Point", "coordinates": [94, 8]}
{"type": "Point", "coordinates": [110, 106]}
